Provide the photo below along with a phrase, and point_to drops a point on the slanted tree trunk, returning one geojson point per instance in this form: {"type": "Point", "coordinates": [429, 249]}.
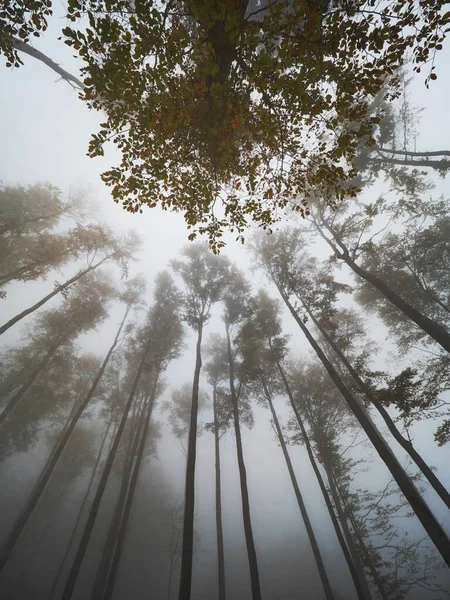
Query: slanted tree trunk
{"type": "Point", "coordinates": [219, 530]}
{"type": "Point", "coordinates": [82, 547]}
{"type": "Point", "coordinates": [361, 543]}
{"type": "Point", "coordinates": [433, 480]}
{"type": "Point", "coordinates": [36, 493]}
{"type": "Point", "coordinates": [56, 291]}
{"type": "Point", "coordinates": [111, 538]}
{"type": "Point", "coordinates": [433, 329]}
{"type": "Point", "coordinates": [131, 492]}
{"type": "Point", "coordinates": [187, 550]}
{"type": "Point", "coordinates": [251, 551]}
{"type": "Point", "coordinates": [419, 506]}
{"type": "Point", "coordinates": [347, 534]}
{"type": "Point", "coordinates": [80, 511]}
{"type": "Point", "coordinates": [359, 586]}
{"type": "Point", "coordinates": [301, 504]}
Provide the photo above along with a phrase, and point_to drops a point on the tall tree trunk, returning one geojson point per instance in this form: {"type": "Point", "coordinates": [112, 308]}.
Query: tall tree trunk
{"type": "Point", "coordinates": [419, 506]}
{"type": "Point", "coordinates": [433, 329]}
{"type": "Point", "coordinates": [111, 538]}
{"type": "Point", "coordinates": [33, 499]}
{"type": "Point", "coordinates": [251, 551]}
{"type": "Point", "coordinates": [361, 543]}
{"type": "Point", "coordinates": [433, 480]}
{"type": "Point", "coordinates": [29, 382]}
{"type": "Point", "coordinates": [82, 547]}
{"type": "Point", "coordinates": [219, 530]}
{"type": "Point", "coordinates": [301, 504]}
{"type": "Point", "coordinates": [80, 511]}
{"type": "Point", "coordinates": [56, 291]}
{"type": "Point", "coordinates": [359, 587]}
{"type": "Point", "coordinates": [131, 493]}
{"type": "Point", "coordinates": [347, 534]}
{"type": "Point", "coordinates": [189, 499]}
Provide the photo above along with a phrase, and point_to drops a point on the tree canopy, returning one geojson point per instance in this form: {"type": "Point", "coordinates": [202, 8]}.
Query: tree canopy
{"type": "Point", "coordinates": [226, 111]}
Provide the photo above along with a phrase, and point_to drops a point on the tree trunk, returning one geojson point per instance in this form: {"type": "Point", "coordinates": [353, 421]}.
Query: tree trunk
{"type": "Point", "coordinates": [189, 499]}
{"type": "Point", "coordinates": [56, 291]}
{"type": "Point", "coordinates": [359, 588]}
{"type": "Point", "coordinates": [301, 504]}
{"type": "Point", "coordinates": [80, 512]}
{"type": "Point", "coordinates": [33, 499]}
{"type": "Point", "coordinates": [352, 548]}
{"type": "Point", "coordinates": [131, 492]}
{"type": "Point", "coordinates": [219, 530]}
{"type": "Point", "coordinates": [433, 480]}
{"type": "Point", "coordinates": [251, 551]}
{"type": "Point", "coordinates": [111, 538]}
{"type": "Point", "coordinates": [433, 329]}
{"type": "Point", "coordinates": [82, 547]}
{"type": "Point", "coordinates": [361, 543]}
{"type": "Point", "coordinates": [419, 506]}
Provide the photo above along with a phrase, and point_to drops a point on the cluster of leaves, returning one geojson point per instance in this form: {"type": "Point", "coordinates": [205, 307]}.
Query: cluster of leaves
{"type": "Point", "coordinates": [21, 19]}
{"type": "Point", "coordinates": [241, 104]}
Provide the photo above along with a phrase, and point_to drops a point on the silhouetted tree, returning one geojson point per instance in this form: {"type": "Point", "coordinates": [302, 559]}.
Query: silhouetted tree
{"type": "Point", "coordinates": [204, 276]}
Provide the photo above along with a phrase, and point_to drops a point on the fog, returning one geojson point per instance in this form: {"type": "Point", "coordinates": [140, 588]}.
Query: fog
{"type": "Point", "coordinates": [112, 397]}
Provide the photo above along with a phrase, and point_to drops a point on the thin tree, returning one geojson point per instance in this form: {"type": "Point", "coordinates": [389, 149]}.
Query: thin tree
{"type": "Point", "coordinates": [235, 310]}
{"type": "Point", "coordinates": [259, 368]}
{"type": "Point", "coordinates": [204, 276]}
{"type": "Point", "coordinates": [163, 328]}
{"type": "Point", "coordinates": [423, 512]}
{"type": "Point", "coordinates": [131, 296]}
{"type": "Point", "coordinates": [341, 252]}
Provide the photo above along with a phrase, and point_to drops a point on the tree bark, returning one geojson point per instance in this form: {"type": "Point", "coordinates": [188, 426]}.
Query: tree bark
{"type": "Point", "coordinates": [301, 504]}
{"type": "Point", "coordinates": [219, 530]}
{"type": "Point", "coordinates": [56, 291]}
{"type": "Point", "coordinates": [433, 480]}
{"type": "Point", "coordinates": [419, 506]}
{"type": "Point", "coordinates": [359, 588]}
{"type": "Point", "coordinates": [251, 551]}
{"type": "Point", "coordinates": [187, 550]}
{"type": "Point", "coordinates": [33, 499]}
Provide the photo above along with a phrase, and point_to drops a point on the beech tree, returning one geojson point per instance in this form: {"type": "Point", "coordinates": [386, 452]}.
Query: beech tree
{"type": "Point", "coordinates": [426, 517]}
{"type": "Point", "coordinates": [160, 341]}
{"type": "Point", "coordinates": [131, 296]}
{"type": "Point", "coordinates": [236, 309]}
{"type": "Point", "coordinates": [204, 276]}
{"type": "Point", "coordinates": [204, 95]}
{"type": "Point", "coordinates": [83, 309]}
{"type": "Point", "coordinates": [262, 344]}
